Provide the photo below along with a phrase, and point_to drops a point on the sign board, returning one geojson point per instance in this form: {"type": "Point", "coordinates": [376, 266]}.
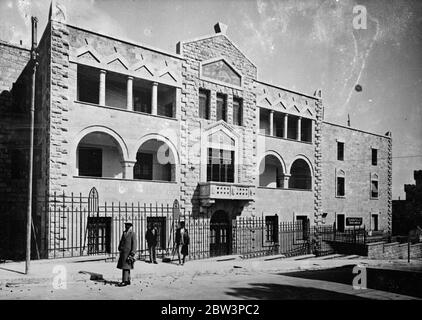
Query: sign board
{"type": "Point", "coordinates": [354, 221]}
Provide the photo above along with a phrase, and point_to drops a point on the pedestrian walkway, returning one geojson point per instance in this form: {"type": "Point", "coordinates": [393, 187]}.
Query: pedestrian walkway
{"type": "Point", "coordinates": [44, 271]}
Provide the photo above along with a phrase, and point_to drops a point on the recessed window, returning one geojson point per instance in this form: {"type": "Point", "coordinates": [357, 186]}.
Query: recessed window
{"type": "Point", "coordinates": [220, 166]}
{"type": "Point", "coordinates": [340, 183]}
{"type": "Point", "coordinates": [374, 156]}
{"type": "Point", "coordinates": [292, 127]}
{"type": "Point", "coordinates": [88, 84]}
{"type": "Point", "coordinates": [204, 104]}
{"type": "Point", "coordinates": [221, 107]}
{"type": "Point", "coordinates": [237, 111]}
{"type": "Point", "coordinates": [142, 95]}
{"type": "Point", "coordinates": [166, 100]}
{"type": "Point", "coordinates": [90, 161]}
{"type": "Point", "coordinates": [340, 187]}
{"type": "Point", "coordinates": [340, 150]}
{"type": "Point", "coordinates": [306, 130]}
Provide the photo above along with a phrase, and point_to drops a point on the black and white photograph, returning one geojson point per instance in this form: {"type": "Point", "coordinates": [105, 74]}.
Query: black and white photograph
{"type": "Point", "coordinates": [223, 152]}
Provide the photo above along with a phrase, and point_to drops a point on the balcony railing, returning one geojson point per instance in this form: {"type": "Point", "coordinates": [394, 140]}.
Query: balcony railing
{"type": "Point", "coordinates": [226, 191]}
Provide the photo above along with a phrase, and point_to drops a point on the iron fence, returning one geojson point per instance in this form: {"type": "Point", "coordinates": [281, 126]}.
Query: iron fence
{"type": "Point", "coordinates": [79, 226]}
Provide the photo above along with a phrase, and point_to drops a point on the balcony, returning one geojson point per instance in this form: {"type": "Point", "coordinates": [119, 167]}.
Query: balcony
{"type": "Point", "coordinates": [211, 191]}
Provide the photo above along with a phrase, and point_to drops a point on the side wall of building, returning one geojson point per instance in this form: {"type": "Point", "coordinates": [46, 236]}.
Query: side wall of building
{"type": "Point", "coordinates": [358, 171]}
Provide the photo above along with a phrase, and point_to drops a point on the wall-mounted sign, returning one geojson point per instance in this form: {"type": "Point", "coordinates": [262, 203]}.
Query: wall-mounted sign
{"type": "Point", "coordinates": [354, 221]}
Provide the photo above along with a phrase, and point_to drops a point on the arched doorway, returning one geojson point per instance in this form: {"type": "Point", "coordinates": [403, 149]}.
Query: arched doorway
{"type": "Point", "coordinates": [220, 234]}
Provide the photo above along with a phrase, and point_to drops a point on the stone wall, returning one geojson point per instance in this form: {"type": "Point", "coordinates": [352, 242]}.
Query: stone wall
{"type": "Point", "coordinates": [395, 250]}
{"type": "Point", "coordinates": [192, 127]}
{"type": "Point", "coordinates": [358, 169]}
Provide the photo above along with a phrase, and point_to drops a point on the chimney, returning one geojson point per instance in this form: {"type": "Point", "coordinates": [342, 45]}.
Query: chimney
{"type": "Point", "coordinates": [220, 28]}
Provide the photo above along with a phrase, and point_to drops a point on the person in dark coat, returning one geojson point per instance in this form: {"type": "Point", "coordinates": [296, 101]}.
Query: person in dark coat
{"type": "Point", "coordinates": [152, 239]}
{"type": "Point", "coordinates": [127, 249]}
{"type": "Point", "coordinates": [182, 242]}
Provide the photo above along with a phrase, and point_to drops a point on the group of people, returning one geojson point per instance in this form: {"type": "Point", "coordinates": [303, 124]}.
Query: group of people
{"type": "Point", "coordinates": [127, 247]}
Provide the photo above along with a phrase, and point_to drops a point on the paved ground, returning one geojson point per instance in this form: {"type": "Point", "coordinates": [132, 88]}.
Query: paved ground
{"type": "Point", "coordinates": [311, 278]}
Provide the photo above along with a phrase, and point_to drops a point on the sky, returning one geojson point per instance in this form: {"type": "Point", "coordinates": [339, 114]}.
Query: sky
{"type": "Point", "coordinates": [301, 45]}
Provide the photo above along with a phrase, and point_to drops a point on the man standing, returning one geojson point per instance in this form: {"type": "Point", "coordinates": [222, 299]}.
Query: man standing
{"type": "Point", "coordinates": [152, 239]}
{"type": "Point", "coordinates": [127, 249]}
{"type": "Point", "coordinates": [182, 242]}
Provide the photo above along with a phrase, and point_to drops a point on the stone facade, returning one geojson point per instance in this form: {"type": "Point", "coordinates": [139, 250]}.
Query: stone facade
{"type": "Point", "coordinates": [281, 134]}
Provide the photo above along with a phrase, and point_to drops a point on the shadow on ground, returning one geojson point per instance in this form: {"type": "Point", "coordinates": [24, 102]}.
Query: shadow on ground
{"type": "Point", "coordinates": [11, 270]}
{"type": "Point", "coordinates": [271, 291]}
{"type": "Point", "coordinates": [396, 281]}
{"type": "Point", "coordinates": [98, 277]}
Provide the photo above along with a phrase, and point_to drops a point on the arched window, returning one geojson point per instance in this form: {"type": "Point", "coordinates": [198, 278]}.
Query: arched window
{"type": "Point", "coordinates": [340, 183]}
{"type": "Point", "coordinates": [374, 186]}
{"type": "Point", "coordinates": [99, 155]}
{"type": "Point", "coordinates": [154, 161]}
{"type": "Point", "coordinates": [300, 175]}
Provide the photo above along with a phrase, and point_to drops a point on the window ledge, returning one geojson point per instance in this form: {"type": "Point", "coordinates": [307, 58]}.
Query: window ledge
{"type": "Point", "coordinates": [286, 139]}
{"type": "Point", "coordinates": [341, 197]}
{"type": "Point", "coordinates": [123, 179]}
{"type": "Point", "coordinates": [372, 198]}
{"type": "Point", "coordinates": [125, 110]}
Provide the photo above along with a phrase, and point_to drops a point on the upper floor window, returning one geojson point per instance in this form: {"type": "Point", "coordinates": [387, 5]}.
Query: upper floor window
{"type": "Point", "coordinates": [340, 150]}
{"type": "Point", "coordinates": [374, 157]}
{"type": "Point", "coordinates": [306, 130]}
{"type": "Point", "coordinates": [237, 111]}
{"type": "Point", "coordinates": [374, 186]}
{"type": "Point", "coordinates": [88, 84]}
{"type": "Point", "coordinates": [204, 104]}
{"type": "Point", "coordinates": [220, 166]}
{"type": "Point", "coordinates": [221, 107]}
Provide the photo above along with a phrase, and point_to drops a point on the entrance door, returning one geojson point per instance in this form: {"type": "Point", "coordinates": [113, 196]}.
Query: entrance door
{"type": "Point", "coordinates": [340, 222]}
{"type": "Point", "coordinates": [220, 234]}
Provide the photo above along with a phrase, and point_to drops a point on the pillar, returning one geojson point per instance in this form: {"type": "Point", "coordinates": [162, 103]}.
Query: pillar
{"type": "Point", "coordinates": [102, 87]}
{"type": "Point", "coordinates": [299, 128]}
{"type": "Point", "coordinates": [286, 178]}
{"type": "Point", "coordinates": [129, 93]}
{"type": "Point", "coordinates": [128, 169]}
{"type": "Point", "coordinates": [271, 122]}
{"type": "Point", "coordinates": [154, 98]}
{"type": "Point", "coordinates": [286, 119]}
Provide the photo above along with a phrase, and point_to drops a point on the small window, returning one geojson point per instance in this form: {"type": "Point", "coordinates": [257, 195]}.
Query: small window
{"type": "Point", "coordinates": [340, 187]}
{"type": "Point", "coordinates": [90, 162]}
{"type": "Point", "coordinates": [374, 157]}
{"type": "Point", "coordinates": [204, 104]}
{"type": "Point", "coordinates": [340, 150]}
{"type": "Point", "coordinates": [271, 228]}
{"type": "Point", "coordinates": [237, 111]}
{"type": "Point", "coordinates": [221, 107]}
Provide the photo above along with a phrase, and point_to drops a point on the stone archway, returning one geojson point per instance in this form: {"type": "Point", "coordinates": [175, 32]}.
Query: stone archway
{"type": "Point", "coordinates": [220, 234]}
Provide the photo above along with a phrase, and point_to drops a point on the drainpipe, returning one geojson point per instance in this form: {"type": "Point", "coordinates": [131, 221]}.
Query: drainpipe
{"type": "Point", "coordinates": [34, 64]}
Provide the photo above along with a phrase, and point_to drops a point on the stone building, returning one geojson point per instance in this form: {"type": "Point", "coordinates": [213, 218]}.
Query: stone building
{"type": "Point", "coordinates": [407, 213]}
{"type": "Point", "coordinates": [144, 125]}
